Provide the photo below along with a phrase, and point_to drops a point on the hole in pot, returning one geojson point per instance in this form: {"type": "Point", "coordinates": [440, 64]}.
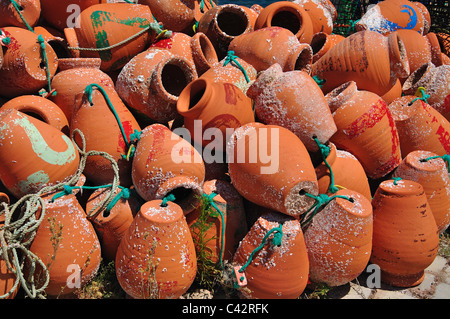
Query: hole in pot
{"type": "Point", "coordinates": [207, 50]}
{"type": "Point", "coordinates": [317, 42]}
{"type": "Point", "coordinates": [287, 20]}
{"type": "Point", "coordinates": [173, 79]}
{"type": "Point", "coordinates": [197, 91]}
{"type": "Point", "coordinates": [42, 65]}
{"type": "Point", "coordinates": [34, 115]}
{"type": "Point", "coordinates": [60, 50]}
{"type": "Point", "coordinates": [180, 193]}
{"type": "Point", "coordinates": [303, 61]}
{"type": "Point", "coordinates": [302, 192]}
{"type": "Point", "coordinates": [232, 22]}
{"type": "Point", "coordinates": [351, 200]}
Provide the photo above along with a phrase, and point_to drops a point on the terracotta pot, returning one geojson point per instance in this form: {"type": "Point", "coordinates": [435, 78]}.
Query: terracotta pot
{"type": "Point", "coordinates": [278, 181]}
{"type": "Point", "coordinates": [235, 71]}
{"type": "Point", "coordinates": [61, 248]}
{"type": "Point", "coordinates": [152, 81]}
{"type": "Point", "coordinates": [365, 128]}
{"type": "Point", "coordinates": [374, 68]}
{"type": "Point", "coordinates": [166, 164]}
{"type": "Point", "coordinates": [432, 174]}
{"type": "Point", "coordinates": [112, 224]}
{"type": "Point", "coordinates": [203, 52]}
{"type": "Point", "coordinates": [342, 162]}
{"type": "Point", "coordinates": [322, 42]}
{"type": "Point", "coordinates": [55, 39]}
{"type": "Point", "coordinates": [60, 14]}
{"type": "Point", "coordinates": [156, 257]}
{"type": "Point", "coordinates": [339, 239]}
{"type": "Point", "coordinates": [217, 106]}
{"type": "Point", "coordinates": [430, 77]}
{"type": "Point", "coordinates": [394, 93]}
{"type": "Point", "coordinates": [265, 47]}
{"type": "Point", "coordinates": [100, 127]}
{"type": "Point", "coordinates": [279, 269]}
{"type": "Point", "coordinates": [103, 25]}
{"type": "Point", "coordinates": [426, 15]}
{"type": "Point", "coordinates": [293, 100]}
{"type": "Point", "coordinates": [322, 14]}
{"type": "Point", "coordinates": [419, 126]}
{"type": "Point", "coordinates": [405, 236]}
{"type": "Point", "coordinates": [46, 156]}
{"type": "Point", "coordinates": [435, 47]}
{"type": "Point", "coordinates": [288, 15]}
{"type": "Point", "coordinates": [390, 15]}
{"type": "Point", "coordinates": [29, 9]}
{"type": "Point", "coordinates": [222, 24]}
{"type": "Point", "coordinates": [74, 75]}
{"type": "Point", "coordinates": [40, 108]}
{"type": "Point", "coordinates": [24, 69]}
{"type": "Point", "coordinates": [220, 239]}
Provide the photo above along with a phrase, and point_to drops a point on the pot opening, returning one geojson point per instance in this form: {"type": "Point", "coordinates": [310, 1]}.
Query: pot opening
{"type": "Point", "coordinates": [60, 50]}
{"type": "Point", "coordinates": [197, 92]}
{"type": "Point", "coordinates": [288, 20]}
{"type": "Point", "coordinates": [304, 59]}
{"type": "Point", "coordinates": [416, 76]}
{"type": "Point", "coordinates": [173, 78]}
{"type": "Point", "coordinates": [232, 22]}
{"type": "Point", "coordinates": [208, 51]}
{"type": "Point", "coordinates": [317, 42]}
{"type": "Point", "coordinates": [35, 115]}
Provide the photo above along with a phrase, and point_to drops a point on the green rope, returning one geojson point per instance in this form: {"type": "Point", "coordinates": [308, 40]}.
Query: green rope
{"type": "Point", "coordinates": [424, 97]}
{"type": "Point", "coordinates": [210, 202]}
{"type": "Point", "coordinates": [396, 179]}
{"type": "Point", "coordinates": [5, 40]}
{"type": "Point", "coordinates": [232, 58]}
{"type": "Point", "coordinates": [47, 65]}
{"type": "Point", "coordinates": [325, 151]}
{"type": "Point", "coordinates": [320, 82]}
{"type": "Point", "coordinates": [445, 158]}
{"type": "Point", "coordinates": [168, 198]}
{"type": "Point", "coordinates": [202, 4]}
{"type": "Point", "coordinates": [17, 7]}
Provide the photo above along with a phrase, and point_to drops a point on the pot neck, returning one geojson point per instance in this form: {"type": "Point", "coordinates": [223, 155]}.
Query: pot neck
{"type": "Point", "coordinates": [340, 95]}
{"type": "Point", "coordinates": [194, 98]}
{"type": "Point", "coordinates": [74, 63]}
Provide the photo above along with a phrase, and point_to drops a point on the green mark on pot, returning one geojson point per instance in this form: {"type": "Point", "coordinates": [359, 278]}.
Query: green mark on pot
{"type": "Point", "coordinates": [40, 146]}
{"type": "Point", "coordinates": [102, 42]}
{"type": "Point", "coordinates": [33, 182]}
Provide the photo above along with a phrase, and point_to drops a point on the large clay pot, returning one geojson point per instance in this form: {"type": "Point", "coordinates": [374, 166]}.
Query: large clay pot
{"type": "Point", "coordinates": [278, 181]}
{"type": "Point", "coordinates": [339, 239]}
{"type": "Point", "coordinates": [165, 164]}
{"type": "Point", "coordinates": [390, 15]}
{"type": "Point", "coordinates": [219, 237]}
{"type": "Point", "coordinates": [156, 257]}
{"type": "Point", "coordinates": [280, 268]}
{"type": "Point", "coordinates": [374, 68]}
{"type": "Point", "coordinates": [430, 171]}
{"type": "Point", "coordinates": [152, 81]}
{"type": "Point", "coordinates": [74, 74]}
{"type": "Point", "coordinates": [267, 46]}
{"type": "Point", "coordinates": [405, 235]}
{"type": "Point", "coordinates": [419, 126]}
{"type": "Point", "coordinates": [288, 15]}
{"type": "Point", "coordinates": [431, 78]}
{"type": "Point", "coordinates": [222, 24]}
{"type": "Point", "coordinates": [46, 156]}
{"type": "Point", "coordinates": [295, 101]}
{"type": "Point", "coordinates": [61, 248]}
{"type": "Point", "coordinates": [104, 25]}
{"type": "Point", "coordinates": [10, 17]}
{"type": "Point", "coordinates": [216, 106]}
{"type": "Point", "coordinates": [365, 128]}
{"type": "Point", "coordinates": [24, 70]}
{"type": "Point", "coordinates": [40, 108]}
{"type": "Point", "coordinates": [322, 42]}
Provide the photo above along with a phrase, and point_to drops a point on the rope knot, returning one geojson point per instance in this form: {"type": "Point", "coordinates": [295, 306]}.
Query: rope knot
{"type": "Point", "coordinates": [231, 58]}
{"type": "Point", "coordinates": [396, 179]}
{"type": "Point", "coordinates": [168, 198]}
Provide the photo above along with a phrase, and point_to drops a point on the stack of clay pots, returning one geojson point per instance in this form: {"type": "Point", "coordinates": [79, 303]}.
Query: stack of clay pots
{"type": "Point", "coordinates": [146, 129]}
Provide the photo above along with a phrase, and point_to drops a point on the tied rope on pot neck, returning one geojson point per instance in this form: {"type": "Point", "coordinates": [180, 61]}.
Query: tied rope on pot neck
{"type": "Point", "coordinates": [445, 158]}
{"type": "Point", "coordinates": [232, 59]}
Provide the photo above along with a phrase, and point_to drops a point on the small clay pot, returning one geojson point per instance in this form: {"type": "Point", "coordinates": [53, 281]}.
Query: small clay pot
{"type": "Point", "coordinates": [203, 52]}
{"type": "Point", "coordinates": [29, 9]}
{"type": "Point", "coordinates": [322, 42]}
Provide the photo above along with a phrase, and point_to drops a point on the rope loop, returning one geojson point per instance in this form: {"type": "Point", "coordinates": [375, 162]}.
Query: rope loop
{"type": "Point", "coordinates": [445, 158]}
{"type": "Point", "coordinates": [421, 95]}
{"type": "Point", "coordinates": [396, 179]}
{"type": "Point", "coordinates": [325, 151]}
{"type": "Point", "coordinates": [168, 198]}
{"type": "Point", "coordinates": [231, 58]}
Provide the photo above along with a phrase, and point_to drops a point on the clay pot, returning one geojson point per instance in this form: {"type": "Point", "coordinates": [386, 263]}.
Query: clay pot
{"type": "Point", "coordinates": [46, 156]}
{"type": "Point", "coordinates": [339, 239]}
{"type": "Point", "coordinates": [40, 108]}
{"type": "Point", "coordinates": [394, 93]}
{"type": "Point", "coordinates": [405, 236]}
{"type": "Point", "coordinates": [104, 25]}
{"type": "Point", "coordinates": [220, 239]}
{"type": "Point", "coordinates": [419, 126]}
{"type": "Point", "coordinates": [221, 24]}
{"type": "Point", "coordinates": [74, 75]}
{"type": "Point", "coordinates": [322, 42]}
{"type": "Point", "coordinates": [232, 72]}
{"type": "Point", "coordinates": [426, 15]}
{"type": "Point", "coordinates": [432, 174]}
{"type": "Point", "coordinates": [342, 162]}
{"type": "Point", "coordinates": [166, 164]}
{"type": "Point", "coordinates": [293, 100]}
{"type": "Point", "coordinates": [61, 248]}
{"type": "Point", "coordinates": [431, 78]}
{"type": "Point", "coordinates": [374, 68]}
{"type": "Point", "coordinates": [102, 133]}
{"type": "Point", "coordinates": [152, 81]}
{"type": "Point", "coordinates": [217, 106]}
{"type": "Point", "coordinates": [265, 47]}
{"type": "Point", "coordinates": [29, 9]}
{"type": "Point", "coordinates": [55, 39]}
{"type": "Point", "coordinates": [156, 257]}
{"type": "Point", "coordinates": [365, 128]}
{"type": "Point", "coordinates": [24, 69]}
{"type": "Point", "coordinates": [112, 224]}
{"type": "Point", "coordinates": [390, 15]}
{"type": "Point", "coordinates": [278, 181]}
{"type": "Point", "coordinates": [278, 269]}
{"type": "Point", "coordinates": [289, 15]}
{"type": "Point", "coordinates": [322, 14]}
{"type": "Point", "coordinates": [435, 48]}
